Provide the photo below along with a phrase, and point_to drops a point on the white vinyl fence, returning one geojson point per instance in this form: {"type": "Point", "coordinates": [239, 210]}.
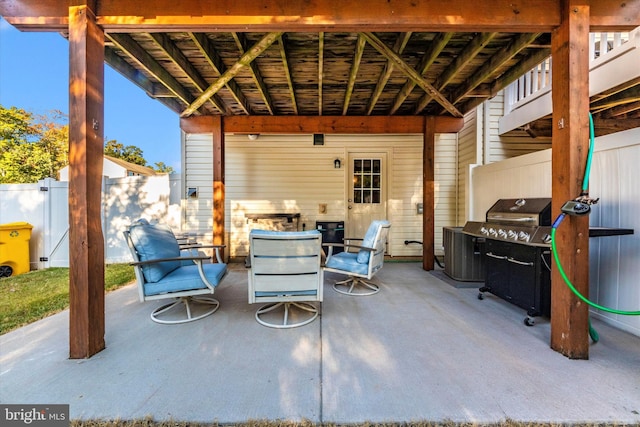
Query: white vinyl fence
{"type": "Point", "coordinates": [45, 205]}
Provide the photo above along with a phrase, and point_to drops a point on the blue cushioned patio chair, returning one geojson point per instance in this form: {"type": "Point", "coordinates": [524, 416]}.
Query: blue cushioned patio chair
{"type": "Point", "coordinates": [360, 265]}
{"type": "Point", "coordinates": [166, 270]}
{"type": "Point", "coordinates": [284, 271]}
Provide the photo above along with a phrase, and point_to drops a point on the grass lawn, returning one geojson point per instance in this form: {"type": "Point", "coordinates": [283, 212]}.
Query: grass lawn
{"type": "Point", "coordinates": [32, 296]}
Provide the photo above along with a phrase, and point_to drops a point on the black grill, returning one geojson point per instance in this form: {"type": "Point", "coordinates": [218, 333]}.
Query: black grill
{"type": "Point", "coordinates": [516, 237]}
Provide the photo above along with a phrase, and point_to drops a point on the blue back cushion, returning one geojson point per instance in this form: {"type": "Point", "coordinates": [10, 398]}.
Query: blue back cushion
{"type": "Point", "coordinates": [155, 242]}
{"type": "Point", "coordinates": [369, 241]}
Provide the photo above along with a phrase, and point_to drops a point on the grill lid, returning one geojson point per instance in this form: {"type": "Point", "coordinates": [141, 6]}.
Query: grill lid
{"type": "Point", "coordinates": [528, 212]}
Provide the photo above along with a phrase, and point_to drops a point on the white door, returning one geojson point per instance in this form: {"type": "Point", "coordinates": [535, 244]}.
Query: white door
{"type": "Point", "coordinates": [367, 194]}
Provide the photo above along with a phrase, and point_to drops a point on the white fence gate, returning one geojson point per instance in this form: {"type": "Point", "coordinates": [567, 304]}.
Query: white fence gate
{"type": "Point", "coordinates": [45, 205]}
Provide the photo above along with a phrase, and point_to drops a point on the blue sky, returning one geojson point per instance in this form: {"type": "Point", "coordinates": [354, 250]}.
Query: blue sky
{"type": "Point", "coordinates": [34, 76]}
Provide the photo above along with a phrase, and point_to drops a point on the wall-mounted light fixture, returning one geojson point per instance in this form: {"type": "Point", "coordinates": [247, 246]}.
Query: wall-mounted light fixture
{"type": "Point", "coordinates": [192, 193]}
{"type": "Point", "coordinates": [337, 163]}
{"type": "Point", "coordinates": [253, 136]}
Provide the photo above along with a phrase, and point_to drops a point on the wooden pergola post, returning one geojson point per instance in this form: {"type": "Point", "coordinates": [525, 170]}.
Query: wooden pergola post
{"type": "Point", "coordinates": [570, 144]}
{"type": "Point", "coordinates": [86, 140]}
{"type": "Point", "coordinates": [218, 181]}
{"type": "Point", "coordinates": [428, 192]}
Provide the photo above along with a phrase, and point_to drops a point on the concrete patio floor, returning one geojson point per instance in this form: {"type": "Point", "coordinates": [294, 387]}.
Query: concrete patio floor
{"type": "Point", "coordinates": [420, 350]}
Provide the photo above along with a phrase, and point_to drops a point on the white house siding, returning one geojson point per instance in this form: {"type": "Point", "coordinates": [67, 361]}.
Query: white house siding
{"type": "Point", "coordinates": [480, 143]}
{"type": "Point", "coordinates": [446, 188]}
{"type": "Point", "coordinates": [469, 153]}
{"type": "Point", "coordinates": [613, 261]}
{"type": "Point", "coordinates": [517, 143]}
{"type": "Point", "coordinates": [198, 158]}
{"type": "Point", "coordinates": [288, 174]}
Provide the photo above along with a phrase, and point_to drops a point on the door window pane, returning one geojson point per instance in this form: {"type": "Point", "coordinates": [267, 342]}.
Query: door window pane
{"type": "Point", "coordinates": [367, 180]}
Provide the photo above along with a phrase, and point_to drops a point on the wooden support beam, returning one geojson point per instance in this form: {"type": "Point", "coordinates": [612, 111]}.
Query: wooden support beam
{"type": "Point", "coordinates": [437, 45]}
{"type": "Point", "coordinates": [86, 139]}
{"type": "Point", "coordinates": [428, 193]}
{"type": "Point", "coordinates": [241, 42]}
{"type": "Point", "coordinates": [353, 73]}
{"type": "Point", "coordinates": [127, 44]}
{"type": "Point", "coordinates": [282, 43]}
{"type": "Point", "coordinates": [471, 50]}
{"type": "Point", "coordinates": [398, 47]}
{"type": "Point", "coordinates": [411, 73]}
{"type": "Point", "coordinates": [215, 61]}
{"type": "Point", "coordinates": [322, 15]}
{"type": "Point", "coordinates": [244, 61]}
{"type": "Point", "coordinates": [509, 77]}
{"type": "Point", "coordinates": [322, 124]}
{"type": "Point", "coordinates": [569, 146]}
{"type": "Point", "coordinates": [518, 43]}
{"type": "Point", "coordinates": [218, 180]}
{"type": "Point", "coordinates": [320, 70]}
{"type": "Point", "coordinates": [182, 62]}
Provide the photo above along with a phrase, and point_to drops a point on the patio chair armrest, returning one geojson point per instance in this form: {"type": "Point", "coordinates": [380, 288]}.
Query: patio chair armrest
{"type": "Point", "coordinates": [342, 245]}
{"type": "Point", "coordinates": [201, 246]}
{"type": "Point", "coordinates": [185, 258]}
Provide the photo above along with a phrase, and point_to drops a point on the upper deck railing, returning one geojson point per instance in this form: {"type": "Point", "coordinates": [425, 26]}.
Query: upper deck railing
{"type": "Point", "coordinates": [603, 47]}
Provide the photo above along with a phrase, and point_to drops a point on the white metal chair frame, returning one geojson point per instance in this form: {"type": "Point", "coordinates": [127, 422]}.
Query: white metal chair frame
{"type": "Point", "coordinates": [183, 298]}
{"type": "Point", "coordinates": [359, 283]}
{"type": "Point", "coordinates": [285, 272]}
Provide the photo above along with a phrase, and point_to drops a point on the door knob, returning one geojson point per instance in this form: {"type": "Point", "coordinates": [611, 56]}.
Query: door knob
{"type": "Point", "coordinates": [350, 207]}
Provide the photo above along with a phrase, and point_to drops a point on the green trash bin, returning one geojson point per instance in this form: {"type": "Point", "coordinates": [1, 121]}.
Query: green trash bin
{"type": "Point", "coordinates": [14, 248]}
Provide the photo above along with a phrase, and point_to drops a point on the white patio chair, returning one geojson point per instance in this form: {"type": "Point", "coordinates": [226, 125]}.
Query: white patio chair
{"type": "Point", "coordinates": [166, 270]}
{"type": "Point", "coordinates": [284, 271]}
{"type": "Point", "coordinates": [360, 265]}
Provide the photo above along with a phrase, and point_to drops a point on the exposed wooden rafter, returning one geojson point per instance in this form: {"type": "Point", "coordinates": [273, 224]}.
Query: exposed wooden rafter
{"type": "Point", "coordinates": [462, 60]}
{"type": "Point", "coordinates": [413, 74]}
{"type": "Point", "coordinates": [148, 63]}
{"type": "Point", "coordinates": [215, 62]}
{"type": "Point", "coordinates": [152, 89]}
{"type": "Point", "coordinates": [398, 47]}
{"type": "Point", "coordinates": [320, 70]}
{"type": "Point", "coordinates": [520, 42]}
{"type": "Point", "coordinates": [244, 61]}
{"type": "Point", "coordinates": [178, 58]}
{"type": "Point", "coordinates": [242, 43]}
{"type": "Point", "coordinates": [282, 43]}
{"type": "Point", "coordinates": [357, 57]}
{"type": "Point", "coordinates": [439, 42]}
{"type": "Point", "coordinates": [527, 63]}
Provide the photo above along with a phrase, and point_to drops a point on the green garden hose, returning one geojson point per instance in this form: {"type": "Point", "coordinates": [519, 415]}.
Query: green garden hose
{"type": "Point", "coordinates": [585, 187]}
{"type": "Point", "coordinates": [568, 282]}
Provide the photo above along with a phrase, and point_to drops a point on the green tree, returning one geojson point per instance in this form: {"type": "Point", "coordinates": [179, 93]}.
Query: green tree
{"type": "Point", "coordinates": [162, 168]}
{"type": "Point", "coordinates": [31, 148]}
{"type": "Point", "coordinates": [130, 153]}
{"type": "Point", "coordinates": [16, 127]}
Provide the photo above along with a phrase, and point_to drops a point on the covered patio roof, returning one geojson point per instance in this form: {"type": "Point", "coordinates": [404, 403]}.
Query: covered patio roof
{"type": "Point", "coordinates": [270, 59]}
{"type": "Point", "coordinates": [230, 62]}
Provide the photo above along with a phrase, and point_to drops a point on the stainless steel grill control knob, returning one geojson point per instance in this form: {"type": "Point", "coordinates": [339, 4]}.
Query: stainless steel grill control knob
{"type": "Point", "coordinates": [502, 233]}
{"type": "Point", "coordinates": [512, 235]}
{"type": "Point", "coordinates": [524, 236]}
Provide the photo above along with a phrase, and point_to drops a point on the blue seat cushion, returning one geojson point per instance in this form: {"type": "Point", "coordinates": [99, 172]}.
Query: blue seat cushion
{"type": "Point", "coordinates": [186, 278]}
{"type": "Point", "coordinates": [369, 240]}
{"type": "Point", "coordinates": [155, 242]}
{"type": "Point", "coordinates": [348, 262]}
